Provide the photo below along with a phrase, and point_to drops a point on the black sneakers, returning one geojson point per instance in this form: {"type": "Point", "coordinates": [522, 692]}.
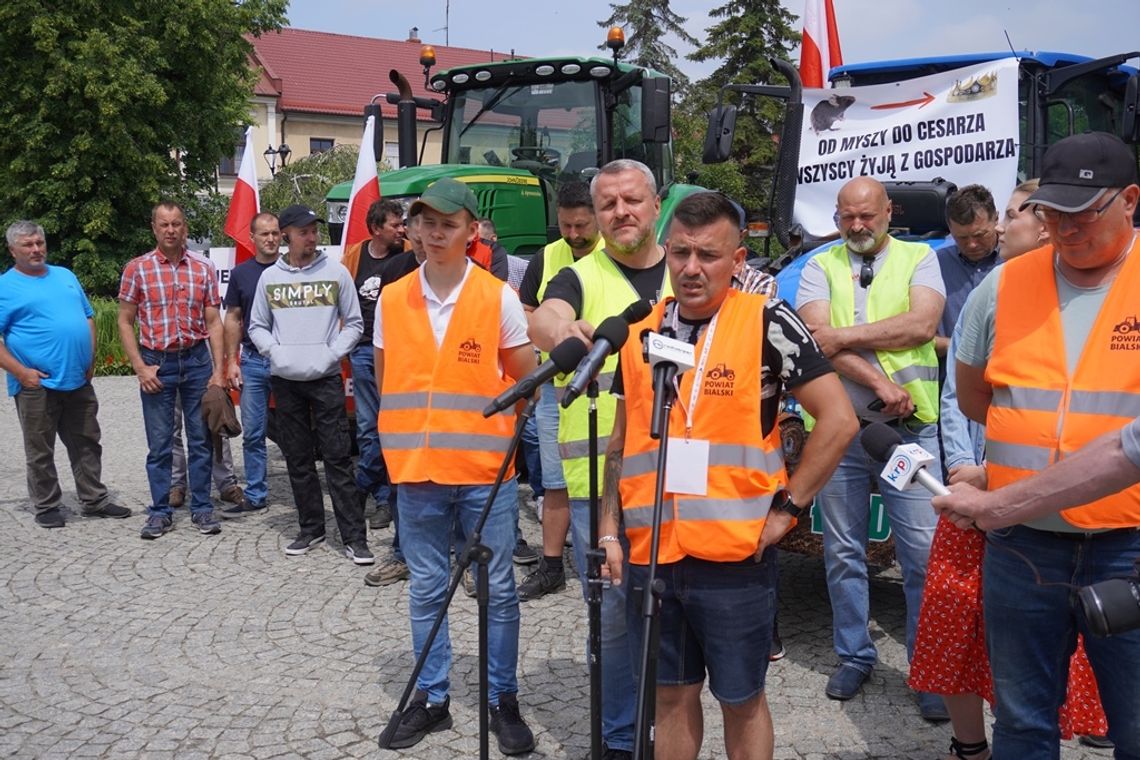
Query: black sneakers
{"type": "Point", "coordinates": [541, 582]}
{"type": "Point", "coordinates": [303, 543]}
{"type": "Point", "coordinates": [419, 719]}
{"type": "Point", "coordinates": [155, 526]}
{"type": "Point", "coordinates": [358, 552]}
{"type": "Point", "coordinates": [50, 518]}
{"type": "Point", "coordinates": [109, 509]}
{"type": "Point", "coordinates": [509, 728]}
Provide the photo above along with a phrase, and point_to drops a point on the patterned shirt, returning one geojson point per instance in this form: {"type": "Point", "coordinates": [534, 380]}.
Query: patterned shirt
{"type": "Point", "coordinates": [171, 299]}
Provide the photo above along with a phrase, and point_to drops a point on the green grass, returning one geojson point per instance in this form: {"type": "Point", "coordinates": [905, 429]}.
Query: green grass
{"type": "Point", "coordinates": [110, 359]}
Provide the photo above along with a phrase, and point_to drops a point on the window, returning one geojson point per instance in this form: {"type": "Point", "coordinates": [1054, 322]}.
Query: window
{"type": "Point", "coordinates": [228, 167]}
{"type": "Point", "coordinates": [320, 145]}
{"type": "Point", "coordinates": [392, 154]}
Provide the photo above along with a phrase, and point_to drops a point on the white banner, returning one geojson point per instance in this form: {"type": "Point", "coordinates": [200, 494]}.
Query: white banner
{"type": "Point", "coordinates": [961, 125]}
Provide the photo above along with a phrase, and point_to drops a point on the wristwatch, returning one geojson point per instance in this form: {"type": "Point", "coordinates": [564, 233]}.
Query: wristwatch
{"type": "Point", "coordinates": [782, 501]}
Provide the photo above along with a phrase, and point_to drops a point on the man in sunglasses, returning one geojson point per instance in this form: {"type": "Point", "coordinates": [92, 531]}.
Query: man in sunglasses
{"type": "Point", "coordinates": [1050, 361]}
{"type": "Point", "coordinates": [873, 303]}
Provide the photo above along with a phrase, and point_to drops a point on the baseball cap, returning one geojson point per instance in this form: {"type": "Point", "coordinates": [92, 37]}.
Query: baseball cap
{"type": "Point", "coordinates": [446, 196]}
{"type": "Point", "coordinates": [297, 216]}
{"type": "Point", "coordinates": [1077, 169]}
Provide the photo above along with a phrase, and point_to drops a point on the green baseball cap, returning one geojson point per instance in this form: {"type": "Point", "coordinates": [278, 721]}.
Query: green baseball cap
{"type": "Point", "coordinates": [447, 196]}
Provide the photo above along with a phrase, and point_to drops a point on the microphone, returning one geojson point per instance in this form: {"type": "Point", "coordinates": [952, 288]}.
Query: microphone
{"type": "Point", "coordinates": [563, 358]}
{"type": "Point", "coordinates": [661, 349]}
{"type": "Point", "coordinates": [609, 337]}
{"type": "Point", "coordinates": [906, 463]}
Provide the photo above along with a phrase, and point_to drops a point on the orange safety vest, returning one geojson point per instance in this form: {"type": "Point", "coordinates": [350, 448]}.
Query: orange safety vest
{"type": "Point", "coordinates": [480, 253]}
{"type": "Point", "coordinates": [431, 411]}
{"type": "Point", "coordinates": [745, 467]}
{"type": "Point", "coordinates": [1039, 413]}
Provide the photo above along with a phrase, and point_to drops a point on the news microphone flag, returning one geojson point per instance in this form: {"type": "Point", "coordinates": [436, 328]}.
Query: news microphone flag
{"type": "Point", "coordinates": [819, 52]}
{"type": "Point", "coordinates": [365, 190]}
{"type": "Point", "coordinates": [245, 203]}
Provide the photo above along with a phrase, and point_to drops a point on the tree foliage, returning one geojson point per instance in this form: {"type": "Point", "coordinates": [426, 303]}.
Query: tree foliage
{"type": "Point", "coordinates": [309, 180]}
{"type": "Point", "coordinates": [646, 23]}
{"type": "Point", "coordinates": [111, 105]}
{"type": "Point", "coordinates": [748, 34]}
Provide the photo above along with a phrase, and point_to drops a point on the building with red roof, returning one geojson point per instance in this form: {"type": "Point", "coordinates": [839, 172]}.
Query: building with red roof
{"type": "Point", "coordinates": [313, 87]}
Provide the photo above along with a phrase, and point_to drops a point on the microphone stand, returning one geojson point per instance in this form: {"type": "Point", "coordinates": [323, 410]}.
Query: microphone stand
{"type": "Point", "coordinates": [473, 551]}
{"type": "Point", "coordinates": [643, 737]}
{"type": "Point", "coordinates": [595, 558]}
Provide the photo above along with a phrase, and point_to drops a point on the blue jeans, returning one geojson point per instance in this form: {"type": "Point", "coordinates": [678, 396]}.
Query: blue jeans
{"type": "Point", "coordinates": [845, 506]}
{"type": "Point", "coordinates": [619, 688]}
{"type": "Point", "coordinates": [1031, 631]}
{"type": "Point", "coordinates": [254, 412]}
{"type": "Point", "coordinates": [427, 512]}
{"type": "Point", "coordinates": [371, 474]}
{"type": "Point", "coordinates": [528, 445]}
{"type": "Point", "coordinates": [184, 375]}
{"type": "Point", "coordinates": [546, 421]}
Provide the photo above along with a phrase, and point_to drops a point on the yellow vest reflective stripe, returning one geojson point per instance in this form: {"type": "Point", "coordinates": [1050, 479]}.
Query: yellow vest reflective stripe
{"type": "Point", "coordinates": [916, 368]}
{"type": "Point", "coordinates": [605, 292]}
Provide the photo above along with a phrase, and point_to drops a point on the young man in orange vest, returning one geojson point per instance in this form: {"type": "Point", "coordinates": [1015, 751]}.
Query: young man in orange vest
{"type": "Point", "coordinates": [1048, 362]}
{"type": "Point", "coordinates": [447, 339]}
{"type": "Point", "coordinates": [720, 579]}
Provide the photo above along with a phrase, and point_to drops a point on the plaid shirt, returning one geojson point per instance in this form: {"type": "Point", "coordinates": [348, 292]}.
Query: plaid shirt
{"type": "Point", "coordinates": [752, 280]}
{"type": "Point", "coordinates": [171, 299]}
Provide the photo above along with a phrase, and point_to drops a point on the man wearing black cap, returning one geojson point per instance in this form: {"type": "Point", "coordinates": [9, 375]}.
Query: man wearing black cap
{"type": "Point", "coordinates": [305, 319]}
{"type": "Point", "coordinates": [1049, 362]}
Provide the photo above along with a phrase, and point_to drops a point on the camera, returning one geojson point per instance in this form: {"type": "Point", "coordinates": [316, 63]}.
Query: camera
{"type": "Point", "coordinates": [1112, 606]}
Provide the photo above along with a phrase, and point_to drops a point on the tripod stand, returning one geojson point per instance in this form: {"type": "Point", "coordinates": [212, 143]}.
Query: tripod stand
{"type": "Point", "coordinates": [473, 551]}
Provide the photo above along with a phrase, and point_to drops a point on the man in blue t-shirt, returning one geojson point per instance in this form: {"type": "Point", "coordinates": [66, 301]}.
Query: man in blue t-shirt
{"type": "Point", "coordinates": [252, 374]}
{"type": "Point", "coordinates": [48, 351]}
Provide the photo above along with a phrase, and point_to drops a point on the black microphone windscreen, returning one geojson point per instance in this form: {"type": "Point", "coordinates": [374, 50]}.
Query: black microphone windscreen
{"type": "Point", "coordinates": [567, 354]}
{"type": "Point", "coordinates": [880, 440]}
{"type": "Point", "coordinates": [637, 311]}
{"type": "Point", "coordinates": [615, 330]}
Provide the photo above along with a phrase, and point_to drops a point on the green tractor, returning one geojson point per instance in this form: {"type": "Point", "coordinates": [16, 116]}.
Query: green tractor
{"type": "Point", "coordinates": [515, 130]}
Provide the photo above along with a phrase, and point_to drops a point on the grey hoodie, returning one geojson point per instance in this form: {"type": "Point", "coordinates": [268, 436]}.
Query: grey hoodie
{"type": "Point", "coordinates": [305, 319]}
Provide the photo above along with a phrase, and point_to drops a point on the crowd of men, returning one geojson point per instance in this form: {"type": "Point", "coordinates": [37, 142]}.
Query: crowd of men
{"type": "Point", "coordinates": [434, 333]}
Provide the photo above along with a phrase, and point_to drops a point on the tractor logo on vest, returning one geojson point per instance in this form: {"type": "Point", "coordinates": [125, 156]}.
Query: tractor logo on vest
{"type": "Point", "coordinates": [719, 380]}
{"type": "Point", "coordinates": [470, 351]}
{"type": "Point", "coordinates": [1126, 335]}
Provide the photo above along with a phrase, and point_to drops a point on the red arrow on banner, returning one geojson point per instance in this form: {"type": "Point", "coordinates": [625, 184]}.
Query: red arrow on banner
{"type": "Point", "coordinates": [922, 102]}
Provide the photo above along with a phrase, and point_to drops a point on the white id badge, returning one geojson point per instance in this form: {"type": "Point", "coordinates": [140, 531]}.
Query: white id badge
{"type": "Point", "coordinates": [687, 466]}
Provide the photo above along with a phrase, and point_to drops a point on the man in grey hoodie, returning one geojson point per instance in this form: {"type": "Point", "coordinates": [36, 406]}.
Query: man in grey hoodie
{"type": "Point", "coordinates": [305, 319]}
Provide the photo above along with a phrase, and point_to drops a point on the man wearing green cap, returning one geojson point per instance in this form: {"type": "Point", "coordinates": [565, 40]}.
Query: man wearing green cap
{"type": "Point", "coordinates": [448, 340]}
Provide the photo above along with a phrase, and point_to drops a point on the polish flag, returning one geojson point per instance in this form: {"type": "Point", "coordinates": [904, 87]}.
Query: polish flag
{"type": "Point", "coordinates": [245, 203]}
{"type": "Point", "coordinates": [365, 190]}
{"type": "Point", "coordinates": [820, 51]}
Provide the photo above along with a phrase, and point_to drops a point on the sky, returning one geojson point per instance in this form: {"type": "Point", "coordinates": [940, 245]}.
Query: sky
{"type": "Point", "coordinates": [868, 29]}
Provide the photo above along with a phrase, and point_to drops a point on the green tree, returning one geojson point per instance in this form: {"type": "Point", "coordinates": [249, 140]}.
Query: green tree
{"type": "Point", "coordinates": [646, 23]}
{"type": "Point", "coordinates": [111, 105]}
{"type": "Point", "coordinates": [309, 180]}
{"type": "Point", "coordinates": [748, 34]}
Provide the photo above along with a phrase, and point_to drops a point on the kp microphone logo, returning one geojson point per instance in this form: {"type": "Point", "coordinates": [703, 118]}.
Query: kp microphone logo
{"type": "Point", "coordinates": [900, 466]}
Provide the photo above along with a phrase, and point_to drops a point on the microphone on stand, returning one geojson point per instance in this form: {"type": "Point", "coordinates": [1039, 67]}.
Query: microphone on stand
{"type": "Point", "coordinates": [563, 358]}
{"type": "Point", "coordinates": [609, 337]}
{"type": "Point", "coordinates": [906, 463]}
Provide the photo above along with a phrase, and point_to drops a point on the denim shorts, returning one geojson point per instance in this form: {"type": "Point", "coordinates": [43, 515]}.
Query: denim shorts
{"type": "Point", "coordinates": [546, 418]}
{"type": "Point", "coordinates": [716, 617]}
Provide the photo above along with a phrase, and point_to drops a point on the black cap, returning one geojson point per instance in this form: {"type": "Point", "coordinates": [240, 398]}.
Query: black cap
{"type": "Point", "coordinates": [297, 216]}
{"type": "Point", "coordinates": [1077, 169]}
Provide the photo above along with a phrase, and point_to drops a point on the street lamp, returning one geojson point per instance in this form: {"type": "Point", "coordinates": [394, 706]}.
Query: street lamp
{"type": "Point", "coordinates": [271, 157]}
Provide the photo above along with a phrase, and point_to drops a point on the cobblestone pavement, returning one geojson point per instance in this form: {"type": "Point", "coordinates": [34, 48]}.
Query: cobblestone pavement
{"type": "Point", "coordinates": [221, 646]}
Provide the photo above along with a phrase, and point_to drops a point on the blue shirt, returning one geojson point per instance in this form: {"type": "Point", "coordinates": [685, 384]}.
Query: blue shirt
{"type": "Point", "coordinates": [240, 292]}
{"type": "Point", "coordinates": [960, 276]}
{"type": "Point", "coordinates": [44, 324]}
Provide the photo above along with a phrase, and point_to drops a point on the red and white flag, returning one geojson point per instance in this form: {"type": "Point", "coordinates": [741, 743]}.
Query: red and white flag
{"type": "Point", "coordinates": [820, 50]}
{"type": "Point", "coordinates": [245, 203]}
{"type": "Point", "coordinates": [365, 190]}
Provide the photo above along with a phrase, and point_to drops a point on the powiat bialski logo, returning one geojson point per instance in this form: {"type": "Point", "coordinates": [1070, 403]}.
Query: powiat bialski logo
{"type": "Point", "coordinates": [470, 351]}
{"type": "Point", "coordinates": [719, 380]}
{"type": "Point", "coordinates": [1126, 335]}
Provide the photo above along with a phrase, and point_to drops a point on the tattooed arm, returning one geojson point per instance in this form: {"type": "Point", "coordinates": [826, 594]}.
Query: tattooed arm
{"type": "Point", "coordinates": [610, 517]}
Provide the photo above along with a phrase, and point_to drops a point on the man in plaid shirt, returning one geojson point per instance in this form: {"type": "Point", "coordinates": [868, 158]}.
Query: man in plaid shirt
{"type": "Point", "coordinates": [173, 297]}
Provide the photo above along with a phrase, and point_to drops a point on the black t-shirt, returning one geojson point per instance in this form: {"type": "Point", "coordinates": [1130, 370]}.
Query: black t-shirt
{"type": "Point", "coordinates": [791, 357]}
{"type": "Point", "coordinates": [646, 283]}
{"type": "Point", "coordinates": [240, 292]}
{"type": "Point", "coordinates": [372, 276]}
{"type": "Point", "coordinates": [532, 279]}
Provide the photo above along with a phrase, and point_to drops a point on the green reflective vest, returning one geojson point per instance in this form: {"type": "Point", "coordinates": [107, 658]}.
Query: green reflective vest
{"type": "Point", "coordinates": [606, 292]}
{"type": "Point", "coordinates": [915, 369]}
